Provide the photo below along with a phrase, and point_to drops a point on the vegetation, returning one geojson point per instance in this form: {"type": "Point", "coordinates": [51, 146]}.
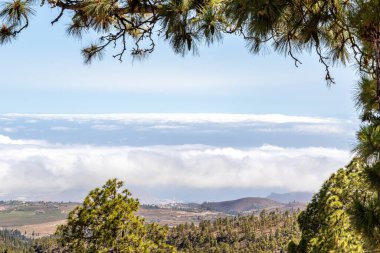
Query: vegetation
{"type": "Point", "coordinates": [241, 205]}
{"type": "Point", "coordinates": [14, 241]}
{"type": "Point", "coordinates": [366, 209]}
{"type": "Point", "coordinates": [345, 215]}
{"type": "Point", "coordinates": [266, 233]}
{"type": "Point", "coordinates": [23, 213]}
{"type": "Point", "coordinates": [325, 224]}
{"type": "Point", "coordinates": [106, 222]}
{"type": "Point", "coordinates": [270, 232]}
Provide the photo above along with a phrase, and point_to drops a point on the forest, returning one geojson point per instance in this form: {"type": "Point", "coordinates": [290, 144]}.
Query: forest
{"type": "Point", "coordinates": [268, 232]}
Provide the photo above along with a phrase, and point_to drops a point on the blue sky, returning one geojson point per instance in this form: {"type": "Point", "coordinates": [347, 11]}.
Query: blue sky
{"type": "Point", "coordinates": [270, 126]}
{"type": "Point", "coordinates": [42, 72]}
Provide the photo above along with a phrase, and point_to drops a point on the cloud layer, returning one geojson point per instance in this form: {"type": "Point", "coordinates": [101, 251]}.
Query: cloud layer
{"type": "Point", "coordinates": [221, 130]}
{"type": "Point", "coordinates": [39, 170]}
{"type": "Point", "coordinates": [179, 118]}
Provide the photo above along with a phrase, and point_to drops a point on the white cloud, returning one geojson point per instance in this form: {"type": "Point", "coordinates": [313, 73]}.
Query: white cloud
{"type": "Point", "coordinates": [320, 128]}
{"type": "Point", "coordinates": [8, 129]}
{"type": "Point", "coordinates": [167, 127]}
{"type": "Point", "coordinates": [272, 123]}
{"type": "Point", "coordinates": [5, 140]}
{"type": "Point", "coordinates": [104, 127]}
{"type": "Point", "coordinates": [342, 128]}
{"type": "Point", "coordinates": [50, 170]}
{"type": "Point", "coordinates": [61, 128]}
{"type": "Point", "coordinates": [178, 117]}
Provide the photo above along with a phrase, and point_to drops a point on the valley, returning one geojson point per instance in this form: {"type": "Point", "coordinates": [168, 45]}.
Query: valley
{"type": "Point", "coordinates": [39, 219]}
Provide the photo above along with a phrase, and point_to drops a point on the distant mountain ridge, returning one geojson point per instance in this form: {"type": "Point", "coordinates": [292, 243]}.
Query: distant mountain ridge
{"type": "Point", "coordinates": [303, 197]}
{"type": "Point", "coordinates": [283, 201]}
{"type": "Point", "coordinates": [241, 205]}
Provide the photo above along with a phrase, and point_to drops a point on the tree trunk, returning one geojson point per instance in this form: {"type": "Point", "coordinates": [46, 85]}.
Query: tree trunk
{"type": "Point", "coordinates": [377, 67]}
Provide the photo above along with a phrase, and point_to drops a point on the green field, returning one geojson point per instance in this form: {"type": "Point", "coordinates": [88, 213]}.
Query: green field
{"type": "Point", "coordinates": [19, 214]}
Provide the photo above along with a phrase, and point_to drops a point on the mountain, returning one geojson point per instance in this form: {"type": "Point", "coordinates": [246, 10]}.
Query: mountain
{"type": "Point", "coordinates": [284, 198]}
{"type": "Point", "coordinates": [242, 205]}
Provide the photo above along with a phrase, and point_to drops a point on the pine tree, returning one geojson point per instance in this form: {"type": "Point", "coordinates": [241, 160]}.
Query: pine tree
{"type": "Point", "coordinates": [326, 224]}
{"type": "Point", "coordinates": [106, 222]}
{"type": "Point", "coordinates": [366, 209]}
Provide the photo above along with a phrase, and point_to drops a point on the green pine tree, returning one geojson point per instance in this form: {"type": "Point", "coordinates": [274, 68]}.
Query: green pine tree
{"type": "Point", "coordinates": [106, 222]}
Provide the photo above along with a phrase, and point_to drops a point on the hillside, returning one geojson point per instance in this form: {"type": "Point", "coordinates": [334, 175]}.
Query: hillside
{"type": "Point", "coordinates": [251, 204]}
{"type": "Point", "coordinates": [37, 219]}
{"type": "Point", "coordinates": [268, 232]}
{"type": "Point", "coordinates": [284, 198]}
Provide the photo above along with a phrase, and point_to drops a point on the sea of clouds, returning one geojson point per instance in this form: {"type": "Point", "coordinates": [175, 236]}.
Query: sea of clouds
{"type": "Point", "coordinates": [62, 157]}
